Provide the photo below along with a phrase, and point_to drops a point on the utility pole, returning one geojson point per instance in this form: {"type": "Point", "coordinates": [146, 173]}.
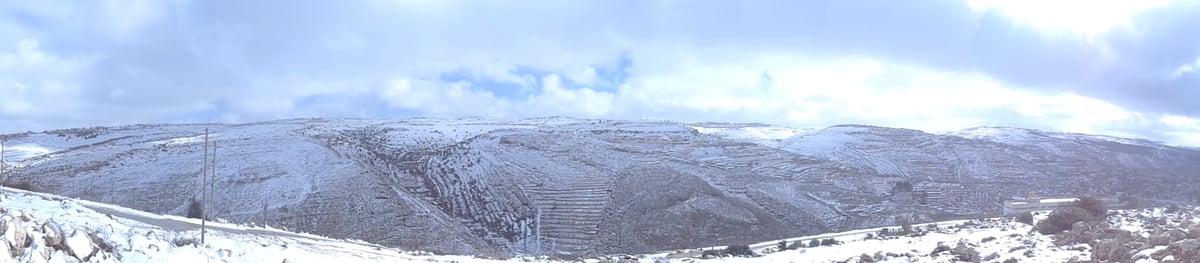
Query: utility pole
{"type": "Point", "coordinates": [264, 214]}
{"type": "Point", "coordinates": [203, 185]}
{"type": "Point", "coordinates": [538, 230]}
{"type": "Point", "coordinates": [2, 160]}
{"type": "Point", "coordinates": [212, 181]}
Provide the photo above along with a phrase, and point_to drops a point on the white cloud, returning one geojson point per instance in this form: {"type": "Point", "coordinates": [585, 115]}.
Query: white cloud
{"type": "Point", "coordinates": [1185, 69]}
{"type": "Point", "coordinates": [135, 61]}
{"type": "Point", "coordinates": [32, 80]}
{"type": "Point", "coordinates": [1087, 17]}
{"type": "Point", "coordinates": [556, 99]}
{"type": "Point", "coordinates": [442, 98]}
{"type": "Point", "coordinates": [1180, 122]}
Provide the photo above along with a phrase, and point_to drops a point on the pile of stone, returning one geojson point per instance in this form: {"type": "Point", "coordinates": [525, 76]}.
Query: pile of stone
{"type": "Point", "coordinates": [23, 239]}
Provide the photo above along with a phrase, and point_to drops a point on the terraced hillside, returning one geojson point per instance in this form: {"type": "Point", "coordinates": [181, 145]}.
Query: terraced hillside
{"type": "Point", "coordinates": [560, 186]}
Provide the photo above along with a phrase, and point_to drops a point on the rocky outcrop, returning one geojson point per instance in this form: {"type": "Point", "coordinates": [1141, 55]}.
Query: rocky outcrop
{"type": "Point", "coordinates": [1187, 250]}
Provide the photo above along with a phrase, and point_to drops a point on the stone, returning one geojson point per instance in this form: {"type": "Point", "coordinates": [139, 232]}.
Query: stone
{"type": "Point", "coordinates": [966, 253]}
{"type": "Point", "coordinates": [80, 245]}
{"type": "Point", "coordinates": [1159, 240]}
{"type": "Point", "coordinates": [15, 233]}
{"type": "Point", "coordinates": [5, 251]}
{"type": "Point", "coordinates": [1177, 234]}
{"type": "Point", "coordinates": [1110, 250]}
{"type": "Point", "coordinates": [1193, 231]}
{"type": "Point", "coordinates": [52, 235]}
{"type": "Point", "coordinates": [1187, 250]}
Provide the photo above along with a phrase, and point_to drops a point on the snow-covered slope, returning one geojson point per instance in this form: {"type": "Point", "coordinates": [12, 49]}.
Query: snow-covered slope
{"type": "Point", "coordinates": [46, 228]}
{"type": "Point", "coordinates": [575, 187]}
{"type": "Point", "coordinates": [37, 227]}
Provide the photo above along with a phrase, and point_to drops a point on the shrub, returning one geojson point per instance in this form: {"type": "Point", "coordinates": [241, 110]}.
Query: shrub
{"type": "Point", "coordinates": [1093, 206]}
{"type": "Point", "coordinates": [796, 245]}
{"type": "Point", "coordinates": [20, 185]}
{"type": "Point", "coordinates": [195, 210]}
{"type": "Point", "coordinates": [184, 241]}
{"type": "Point", "coordinates": [814, 243]}
{"type": "Point", "coordinates": [738, 250]}
{"type": "Point", "coordinates": [1062, 218]}
{"type": "Point", "coordinates": [1026, 218]}
{"type": "Point", "coordinates": [829, 242]}
{"type": "Point", "coordinates": [941, 247]}
{"type": "Point", "coordinates": [782, 245]}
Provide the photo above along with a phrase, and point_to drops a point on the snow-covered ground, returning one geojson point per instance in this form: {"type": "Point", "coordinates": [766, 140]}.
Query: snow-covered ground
{"type": "Point", "coordinates": [134, 236]}
{"type": "Point", "coordinates": [61, 229]}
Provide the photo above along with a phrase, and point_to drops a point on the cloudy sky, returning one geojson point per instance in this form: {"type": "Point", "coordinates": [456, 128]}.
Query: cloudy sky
{"type": "Point", "coordinates": [1125, 68]}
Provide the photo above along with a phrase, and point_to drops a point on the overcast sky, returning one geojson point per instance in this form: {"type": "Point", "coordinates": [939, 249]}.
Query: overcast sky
{"type": "Point", "coordinates": [1124, 68]}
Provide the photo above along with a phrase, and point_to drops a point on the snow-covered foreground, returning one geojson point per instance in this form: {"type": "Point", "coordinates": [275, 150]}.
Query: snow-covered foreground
{"type": "Point", "coordinates": [126, 235]}
{"type": "Point", "coordinates": [39, 227]}
{"type": "Point", "coordinates": [1155, 235]}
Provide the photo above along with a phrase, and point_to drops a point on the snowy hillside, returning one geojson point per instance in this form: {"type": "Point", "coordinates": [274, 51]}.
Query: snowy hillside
{"type": "Point", "coordinates": [38, 227]}
{"type": "Point", "coordinates": [574, 187]}
{"type": "Point", "coordinates": [46, 228]}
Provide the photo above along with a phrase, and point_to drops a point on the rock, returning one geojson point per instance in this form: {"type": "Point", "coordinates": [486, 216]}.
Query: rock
{"type": "Point", "coordinates": [15, 233]}
{"type": "Point", "coordinates": [864, 258]}
{"type": "Point", "coordinates": [1194, 231]}
{"type": "Point", "coordinates": [1187, 250]}
{"type": "Point", "coordinates": [941, 247]}
{"type": "Point", "coordinates": [1137, 245]}
{"type": "Point", "coordinates": [52, 235]}
{"type": "Point", "coordinates": [79, 245]}
{"type": "Point", "coordinates": [1160, 254]}
{"type": "Point", "coordinates": [6, 254]}
{"type": "Point", "coordinates": [1080, 232]}
{"type": "Point", "coordinates": [1177, 234]}
{"type": "Point", "coordinates": [992, 257]}
{"type": "Point", "coordinates": [1110, 250]}
{"type": "Point", "coordinates": [40, 253]}
{"type": "Point", "coordinates": [1159, 240]}
{"type": "Point", "coordinates": [966, 253]}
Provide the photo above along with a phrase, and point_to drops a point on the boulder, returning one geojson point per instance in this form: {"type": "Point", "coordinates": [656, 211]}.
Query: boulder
{"type": "Point", "coordinates": [15, 233]}
{"type": "Point", "coordinates": [1159, 240]}
{"type": "Point", "coordinates": [80, 245]}
{"type": "Point", "coordinates": [1177, 234]}
{"type": "Point", "coordinates": [965, 252]}
{"type": "Point", "coordinates": [941, 247]}
{"type": "Point", "coordinates": [39, 253]}
{"type": "Point", "coordinates": [52, 235]}
{"type": "Point", "coordinates": [6, 254]}
{"type": "Point", "coordinates": [1088, 232]}
{"type": "Point", "coordinates": [1187, 250]}
{"type": "Point", "coordinates": [1110, 250]}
